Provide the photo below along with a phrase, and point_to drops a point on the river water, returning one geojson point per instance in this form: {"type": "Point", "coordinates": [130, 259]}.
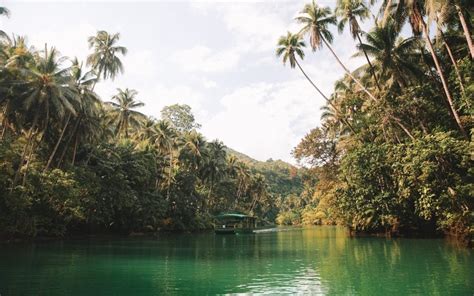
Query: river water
{"type": "Point", "coordinates": [308, 261]}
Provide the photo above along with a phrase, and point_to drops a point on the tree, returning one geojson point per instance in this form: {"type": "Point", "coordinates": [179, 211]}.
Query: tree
{"type": "Point", "coordinates": [105, 59]}
{"type": "Point", "coordinates": [316, 21]}
{"type": "Point", "coordinates": [180, 117]}
{"type": "Point", "coordinates": [123, 115]}
{"type": "Point", "coordinates": [395, 58]}
{"type": "Point", "coordinates": [415, 11]}
{"type": "Point", "coordinates": [348, 11]}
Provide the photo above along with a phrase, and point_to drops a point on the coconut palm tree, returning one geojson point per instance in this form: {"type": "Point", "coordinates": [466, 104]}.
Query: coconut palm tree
{"type": "Point", "coordinates": [415, 11]}
{"type": "Point", "coordinates": [214, 167]}
{"type": "Point", "coordinates": [48, 91]}
{"type": "Point", "coordinates": [349, 11]}
{"type": "Point", "coordinates": [316, 21]}
{"type": "Point", "coordinates": [123, 114]}
{"type": "Point", "coordinates": [291, 46]}
{"type": "Point", "coordinates": [82, 81]}
{"type": "Point", "coordinates": [4, 12]}
{"type": "Point", "coordinates": [394, 58]}
{"type": "Point", "coordinates": [165, 140]}
{"type": "Point", "coordinates": [105, 59]}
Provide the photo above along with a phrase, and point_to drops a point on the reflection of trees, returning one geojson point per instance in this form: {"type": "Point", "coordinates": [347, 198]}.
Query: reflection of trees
{"type": "Point", "coordinates": [319, 260]}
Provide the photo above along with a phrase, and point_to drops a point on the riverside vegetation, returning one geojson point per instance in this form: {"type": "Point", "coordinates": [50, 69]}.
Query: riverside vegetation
{"type": "Point", "coordinates": [394, 152]}
{"type": "Point", "coordinates": [72, 163]}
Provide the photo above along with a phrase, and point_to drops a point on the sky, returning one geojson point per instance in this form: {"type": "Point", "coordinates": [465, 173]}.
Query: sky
{"type": "Point", "coordinates": [216, 56]}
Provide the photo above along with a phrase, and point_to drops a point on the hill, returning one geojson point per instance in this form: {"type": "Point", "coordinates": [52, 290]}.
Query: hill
{"type": "Point", "coordinates": [283, 178]}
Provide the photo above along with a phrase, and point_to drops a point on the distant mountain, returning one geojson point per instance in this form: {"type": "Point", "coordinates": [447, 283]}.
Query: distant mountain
{"type": "Point", "coordinates": [283, 178]}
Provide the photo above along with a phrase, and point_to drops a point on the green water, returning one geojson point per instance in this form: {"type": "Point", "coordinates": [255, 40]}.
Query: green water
{"type": "Point", "coordinates": [320, 260]}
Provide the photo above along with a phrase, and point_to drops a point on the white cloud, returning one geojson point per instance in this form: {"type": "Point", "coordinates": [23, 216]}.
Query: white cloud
{"type": "Point", "coordinates": [203, 59]}
{"type": "Point", "coordinates": [266, 120]}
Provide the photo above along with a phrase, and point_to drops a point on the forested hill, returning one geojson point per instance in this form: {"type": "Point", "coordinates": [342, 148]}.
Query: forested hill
{"type": "Point", "coordinates": [282, 178]}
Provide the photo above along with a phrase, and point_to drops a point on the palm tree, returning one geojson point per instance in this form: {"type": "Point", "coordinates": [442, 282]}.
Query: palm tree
{"type": "Point", "coordinates": [165, 139]}
{"type": "Point", "coordinates": [394, 58]}
{"type": "Point", "coordinates": [316, 21]}
{"type": "Point", "coordinates": [291, 46]}
{"type": "Point", "coordinates": [105, 59]}
{"type": "Point", "coordinates": [349, 11]}
{"type": "Point", "coordinates": [85, 101]}
{"type": "Point", "coordinates": [123, 114]}
{"type": "Point", "coordinates": [459, 9]}
{"type": "Point", "coordinates": [214, 168]}
{"type": "Point", "coordinates": [414, 10]}
{"type": "Point", "coordinates": [193, 149]}
{"type": "Point", "coordinates": [48, 91]}
{"type": "Point", "coordinates": [4, 12]}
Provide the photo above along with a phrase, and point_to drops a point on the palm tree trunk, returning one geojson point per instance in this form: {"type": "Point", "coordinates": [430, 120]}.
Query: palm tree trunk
{"type": "Point", "coordinates": [455, 65]}
{"type": "Point", "coordinates": [73, 135]}
{"type": "Point", "coordinates": [321, 93]}
{"type": "Point", "coordinates": [398, 121]}
{"type": "Point", "coordinates": [74, 151]}
{"type": "Point", "coordinates": [347, 70]}
{"type": "Point", "coordinates": [58, 143]}
{"type": "Point", "coordinates": [465, 29]}
{"type": "Point", "coordinates": [25, 150]}
{"type": "Point", "coordinates": [372, 70]}
{"type": "Point", "coordinates": [169, 175]}
{"type": "Point", "coordinates": [443, 80]}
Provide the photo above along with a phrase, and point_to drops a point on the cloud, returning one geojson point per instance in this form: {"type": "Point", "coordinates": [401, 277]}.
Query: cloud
{"type": "Point", "coordinates": [203, 59]}
{"type": "Point", "coordinates": [266, 120]}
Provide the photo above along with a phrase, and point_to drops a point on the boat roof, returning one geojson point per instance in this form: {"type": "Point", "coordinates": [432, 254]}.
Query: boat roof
{"type": "Point", "coordinates": [234, 215]}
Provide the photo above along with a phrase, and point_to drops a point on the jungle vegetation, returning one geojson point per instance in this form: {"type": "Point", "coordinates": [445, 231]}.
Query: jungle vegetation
{"type": "Point", "coordinates": [394, 152]}
{"type": "Point", "coordinates": [74, 163]}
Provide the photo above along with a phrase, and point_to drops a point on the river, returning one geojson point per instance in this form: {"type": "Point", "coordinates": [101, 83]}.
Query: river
{"type": "Point", "coordinates": [307, 261]}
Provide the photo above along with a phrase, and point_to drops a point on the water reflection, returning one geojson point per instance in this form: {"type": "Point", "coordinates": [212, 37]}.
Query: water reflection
{"type": "Point", "coordinates": [320, 260]}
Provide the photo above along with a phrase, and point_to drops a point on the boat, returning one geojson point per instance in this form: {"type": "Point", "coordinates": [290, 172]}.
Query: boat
{"type": "Point", "coordinates": [235, 223]}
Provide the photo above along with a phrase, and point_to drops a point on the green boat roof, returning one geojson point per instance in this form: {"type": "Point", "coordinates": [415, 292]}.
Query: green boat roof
{"type": "Point", "coordinates": [233, 215]}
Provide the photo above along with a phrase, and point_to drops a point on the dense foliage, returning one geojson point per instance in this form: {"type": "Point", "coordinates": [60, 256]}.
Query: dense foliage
{"type": "Point", "coordinates": [73, 163]}
{"type": "Point", "coordinates": [394, 151]}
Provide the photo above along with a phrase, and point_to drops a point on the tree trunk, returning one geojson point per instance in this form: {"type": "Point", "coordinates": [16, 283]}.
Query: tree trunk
{"type": "Point", "coordinates": [347, 70]}
{"type": "Point", "coordinates": [73, 135]}
{"type": "Point", "coordinates": [372, 70]}
{"type": "Point", "coordinates": [51, 157]}
{"type": "Point", "coordinates": [321, 93]}
{"type": "Point", "coordinates": [456, 69]}
{"type": "Point", "coordinates": [74, 151]}
{"type": "Point", "coordinates": [466, 30]}
{"type": "Point", "coordinates": [443, 81]}
{"type": "Point", "coordinates": [25, 150]}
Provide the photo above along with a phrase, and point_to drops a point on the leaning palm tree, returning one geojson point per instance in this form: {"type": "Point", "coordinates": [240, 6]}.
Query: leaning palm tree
{"type": "Point", "coordinates": [123, 114]}
{"type": "Point", "coordinates": [291, 46]}
{"type": "Point", "coordinates": [415, 11]}
{"type": "Point", "coordinates": [316, 21]}
{"type": "Point", "coordinates": [348, 11]}
{"type": "Point", "coordinates": [4, 12]}
{"type": "Point", "coordinates": [105, 59]}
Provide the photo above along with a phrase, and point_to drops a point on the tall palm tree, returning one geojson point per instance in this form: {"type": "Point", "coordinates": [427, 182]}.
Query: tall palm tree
{"type": "Point", "coordinates": [123, 114]}
{"type": "Point", "coordinates": [105, 59]}
{"type": "Point", "coordinates": [85, 101]}
{"type": "Point", "coordinates": [316, 21]}
{"type": "Point", "coordinates": [394, 58]}
{"type": "Point", "coordinates": [48, 91]}
{"type": "Point", "coordinates": [214, 168]}
{"type": "Point", "coordinates": [291, 46]}
{"type": "Point", "coordinates": [415, 11]}
{"type": "Point", "coordinates": [165, 139]}
{"type": "Point", "coordinates": [348, 11]}
{"type": "Point", "coordinates": [4, 12]}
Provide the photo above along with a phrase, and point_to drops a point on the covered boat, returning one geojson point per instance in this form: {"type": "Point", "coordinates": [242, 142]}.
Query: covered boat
{"type": "Point", "coordinates": [233, 223]}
